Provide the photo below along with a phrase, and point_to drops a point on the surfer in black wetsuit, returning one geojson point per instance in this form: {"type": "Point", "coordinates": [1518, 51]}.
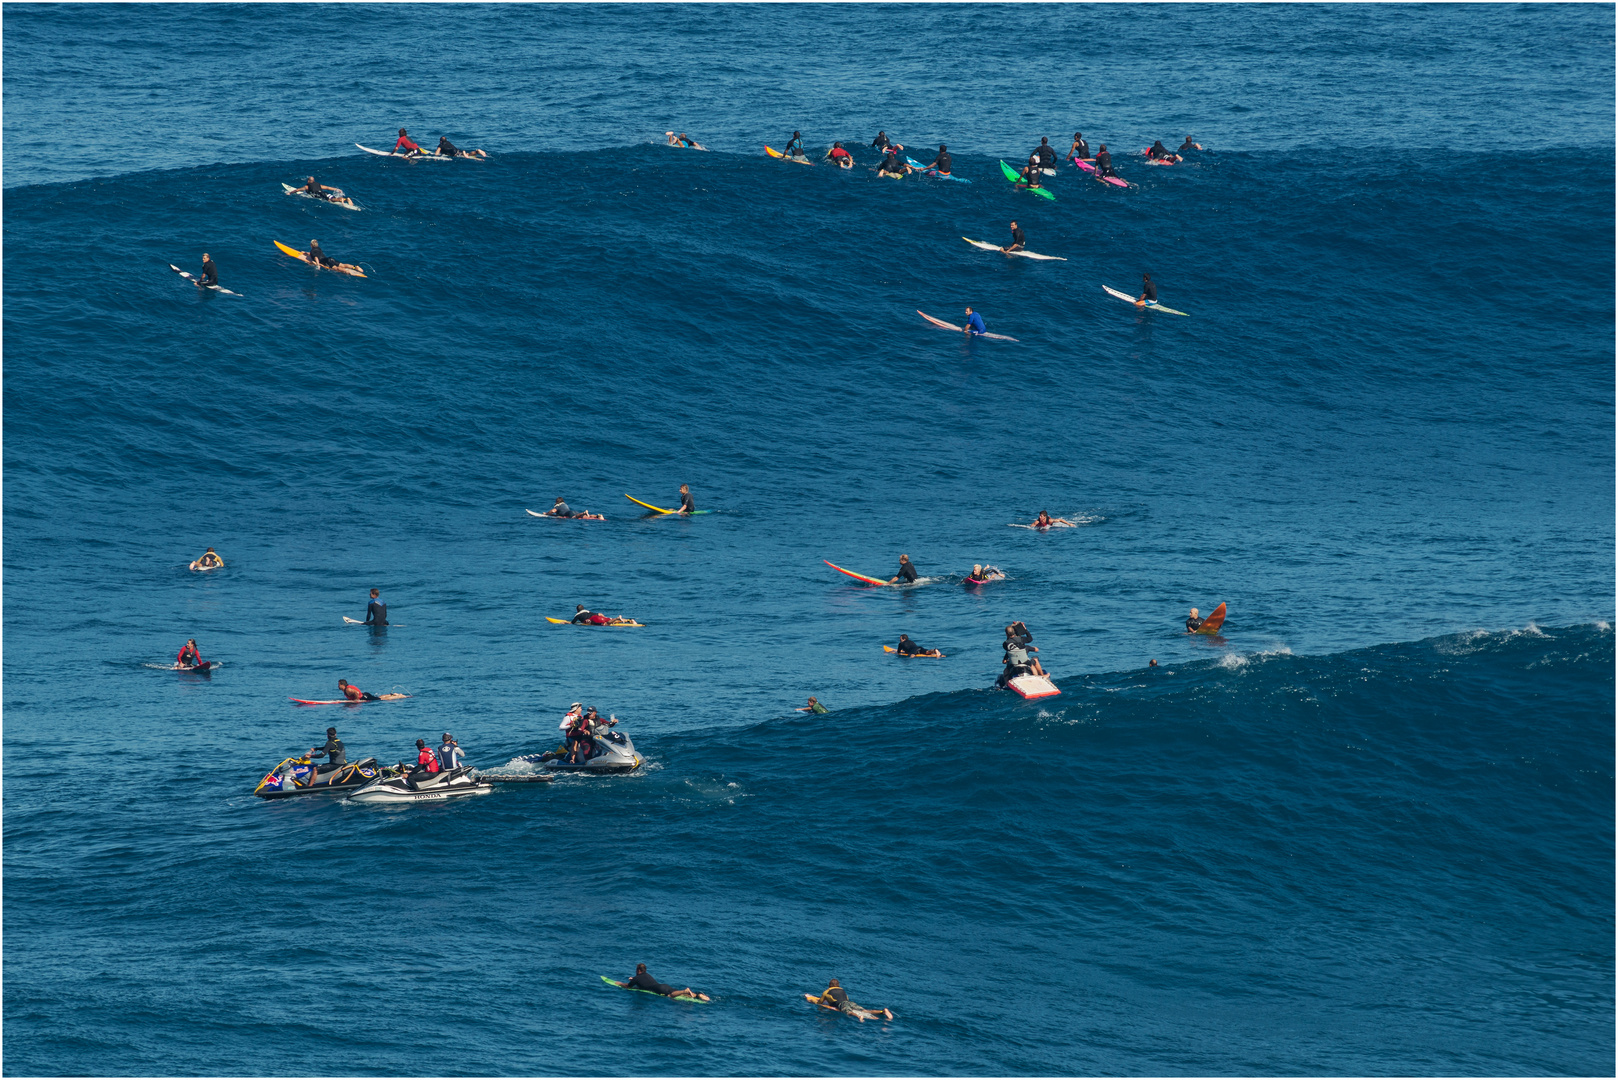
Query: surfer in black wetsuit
{"type": "Point", "coordinates": [881, 140]}
{"type": "Point", "coordinates": [1148, 290]}
{"type": "Point", "coordinates": [210, 277]}
{"type": "Point", "coordinates": [581, 615]}
{"type": "Point", "coordinates": [446, 148]}
{"type": "Point", "coordinates": [1017, 239]}
{"type": "Point", "coordinates": [910, 648]}
{"type": "Point", "coordinates": [942, 162]}
{"type": "Point", "coordinates": [1030, 176]}
{"type": "Point", "coordinates": [906, 571]}
{"type": "Point", "coordinates": [1158, 152]}
{"type": "Point", "coordinates": [641, 980]}
{"type": "Point", "coordinates": [1104, 162]}
{"type": "Point", "coordinates": [316, 255]}
{"type": "Point", "coordinates": [1046, 155]}
{"type": "Point", "coordinates": [1188, 146]}
{"type": "Point", "coordinates": [560, 509]}
{"type": "Point", "coordinates": [1194, 622]}
{"type": "Point", "coordinates": [318, 190]}
{"type": "Point", "coordinates": [893, 165]}
{"type": "Point", "coordinates": [376, 612]}
{"type": "Point", "coordinates": [794, 146]}
{"type": "Point", "coordinates": [688, 505]}
{"type": "Point", "coordinates": [1080, 149]}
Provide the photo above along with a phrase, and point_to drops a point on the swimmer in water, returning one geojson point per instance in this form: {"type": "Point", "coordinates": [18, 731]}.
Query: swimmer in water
{"type": "Point", "coordinates": [1188, 146]}
{"type": "Point", "coordinates": [1045, 521]}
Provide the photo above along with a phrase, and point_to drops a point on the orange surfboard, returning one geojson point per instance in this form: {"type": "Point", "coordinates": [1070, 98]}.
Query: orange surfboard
{"type": "Point", "coordinates": [1215, 619]}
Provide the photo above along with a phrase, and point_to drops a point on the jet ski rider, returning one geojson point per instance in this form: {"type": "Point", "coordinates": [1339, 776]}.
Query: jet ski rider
{"type": "Point", "coordinates": [332, 751]}
{"type": "Point", "coordinates": [425, 758]}
{"type": "Point", "coordinates": [449, 754]}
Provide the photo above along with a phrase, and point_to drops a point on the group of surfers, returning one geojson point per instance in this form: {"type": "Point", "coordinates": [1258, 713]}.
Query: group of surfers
{"type": "Point", "coordinates": [408, 148]}
{"type": "Point", "coordinates": [560, 508]}
{"type": "Point", "coordinates": [834, 997]}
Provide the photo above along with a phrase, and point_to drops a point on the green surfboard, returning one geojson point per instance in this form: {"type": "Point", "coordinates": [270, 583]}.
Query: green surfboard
{"type": "Point", "coordinates": [1012, 175]}
{"type": "Point", "coordinates": [638, 990]}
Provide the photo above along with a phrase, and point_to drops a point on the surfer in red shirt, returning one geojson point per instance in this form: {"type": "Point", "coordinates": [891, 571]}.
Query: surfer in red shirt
{"type": "Point", "coordinates": [188, 655]}
{"type": "Point", "coordinates": [841, 157]}
{"type": "Point", "coordinates": [405, 144]}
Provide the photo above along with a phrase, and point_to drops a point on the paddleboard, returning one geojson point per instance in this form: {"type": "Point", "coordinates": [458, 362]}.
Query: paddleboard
{"type": "Point", "coordinates": [910, 656]}
{"type": "Point", "coordinates": [777, 154]}
{"type": "Point", "coordinates": [340, 200]}
{"type": "Point", "coordinates": [1033, 686]}
{"type": "Point", "coordinates": [1211, 625]}
{"type": "Point", "coordinates": [659, 509]}
{"type": "Point", "coordinates": [986, 246]}
{"type": "Point", "coordinates": [345, 701]}
{"type": "Point", "coordinates": [852, 574]}
{"type": "Point", "coordinates": [1011, 174]}
{"type": "Point", "coordinates": [565, 622]}
{"type": "Point", "coordinates": [200, 285]}
{"type": "Point", "coordinates": [1144, 307]}
{"type": "Point", "coordinates": [638, 990]}
{"type": "Point", "coordinates": [957, 329]}
{"type": "Point", "coordinates": [303, 257]}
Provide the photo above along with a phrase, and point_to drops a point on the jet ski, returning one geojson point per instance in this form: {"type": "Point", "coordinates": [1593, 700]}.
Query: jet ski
{"type": "Point", "coordinates": [299, 776]}
{"type": "Point", "coordinates": [419, 785]}
{"type": "Point", "coordinates": [611, 752]}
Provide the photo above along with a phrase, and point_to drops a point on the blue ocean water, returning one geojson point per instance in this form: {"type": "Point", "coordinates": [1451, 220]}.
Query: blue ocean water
{"type": "Point", "coordinates": [1368, 830]}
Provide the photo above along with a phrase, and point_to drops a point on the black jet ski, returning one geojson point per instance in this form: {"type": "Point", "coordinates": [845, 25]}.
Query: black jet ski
{"type": "Point", "coordinates": [419, 785]}
{"type": "Point", "coordinates": [299, 776]}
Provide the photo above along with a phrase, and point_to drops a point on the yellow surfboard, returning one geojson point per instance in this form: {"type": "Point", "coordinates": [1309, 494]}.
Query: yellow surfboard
{"type": "Point", "coordinates": [659, 509]}
{"type": "Point", "coordinates": [342, 268]}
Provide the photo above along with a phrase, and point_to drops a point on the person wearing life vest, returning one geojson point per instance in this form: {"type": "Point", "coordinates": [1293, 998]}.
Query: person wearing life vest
{"type": "Point", "coordinates": [449, 753]}
{"type": "Point", "coordinates": [426, 760]}
{"type": "Point", "coordinates": [835, 997]}
{"type": "Point", "coordinates": [581, 737]}
{"type": "Point", "coordinates": [188, 654]}
{"type": "Point", "coordinates": [332, 750]}
{"type": "Point", "coordinates": [405, 144]}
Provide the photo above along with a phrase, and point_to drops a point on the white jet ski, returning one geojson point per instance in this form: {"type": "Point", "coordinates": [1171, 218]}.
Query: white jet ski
{"type": "Point", "coordinates": [611, 752]}
{"type": "Point", "coordinates": [418, 785]}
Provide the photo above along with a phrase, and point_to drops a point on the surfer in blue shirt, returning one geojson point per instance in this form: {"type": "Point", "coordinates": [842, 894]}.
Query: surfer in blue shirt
{"type": "Point", "coordinates": [974, 324]}
{"type": "Point", "coordinates": [794, 146]}
{"type": "Point", "coordinates": [1148, 290]}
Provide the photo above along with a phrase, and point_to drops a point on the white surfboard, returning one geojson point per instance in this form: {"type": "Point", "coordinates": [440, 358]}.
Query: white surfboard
{"type": "Point", "coordinates": [210, 288]}
{"type": "Point", "coordinates": [1033, 686]}
{"type": "Point", "coordinates": [1146, 307]}
{"type": "Point", "coordinates": [957, 329]}
{"type": "Point", "coordinates": [986, 246]}
{"type": "Point", "coordinates": [410, 157]}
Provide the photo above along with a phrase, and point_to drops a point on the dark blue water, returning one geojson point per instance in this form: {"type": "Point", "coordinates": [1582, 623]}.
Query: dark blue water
{"type": "Point", "coordinates": [1368, 830]}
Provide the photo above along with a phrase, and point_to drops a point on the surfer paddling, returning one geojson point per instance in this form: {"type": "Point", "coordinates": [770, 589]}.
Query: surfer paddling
{"type": "Point", "coordinates": [406, 146]}
{"type": "Point", "coordinates": [840, 157]}
{"type": "Point", "coordinates": [907, 571]}
{"type": "Point", "coordinates": [835, 997]}
{"type": "Point", "coordinates": [1188, 146]}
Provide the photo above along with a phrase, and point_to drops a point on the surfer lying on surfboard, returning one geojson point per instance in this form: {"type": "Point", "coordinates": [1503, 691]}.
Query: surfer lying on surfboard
{"type": "Point", "coordinates": [643, 981]}
{"type": "Point", "coordinates": [1045, 521]}
{"type": "Point", "coordinates": [835, 997]}
{"type": "Point", "coordinates": [562, 510]}
{"type": "Point", "coordinates": [906, 647]}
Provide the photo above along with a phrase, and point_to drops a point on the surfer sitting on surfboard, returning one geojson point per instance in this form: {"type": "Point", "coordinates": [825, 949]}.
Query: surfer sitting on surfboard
{"type": "Point", "coordinates": [1029, 177]}
{"type": "Point", "coordinates": [941, 164]}
{"type": "Point", "coordinates": [974, 324]}
{"type": "Point", "coordinates": [906, 570]}
{"type": "Point", "coordinates": [910, 648]}
{"type": "Point", "coordinates": [1104, 163]}
{"type": "Point", "coordinates": [188, 654]}
{"type": "Point", "coordinates": [1018, 240]}
{"type": "Point", "coordinates": [405, 144]}
{"type": "Point", "coordinates": [1080, 149]}
{"type": "Point", "coordinates": [210, 277]}
{"type": "Point", "coordinates": [1148, 291]}
{"type": "Point", "coordinates": [688, 505]}
{"type": "Point", "coordinates": [641, 980]}
{"type": "Point", "coordinates": [835, 997]}
{"type": "Point", "coordinates": [376, 612]}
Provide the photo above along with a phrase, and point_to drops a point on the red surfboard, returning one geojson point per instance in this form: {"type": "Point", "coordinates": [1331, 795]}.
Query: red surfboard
{"type": "Point", "coordinates": [1215, 619]}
